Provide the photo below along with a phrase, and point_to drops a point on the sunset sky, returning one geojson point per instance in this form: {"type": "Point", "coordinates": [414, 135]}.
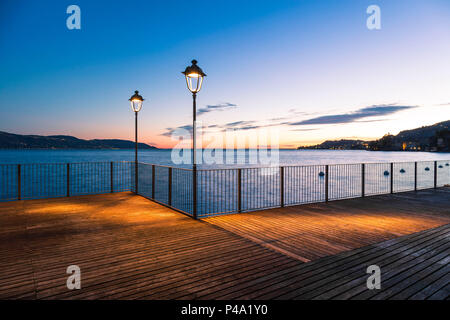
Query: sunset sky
{"type": "Point", "coordinates": [310, 69]}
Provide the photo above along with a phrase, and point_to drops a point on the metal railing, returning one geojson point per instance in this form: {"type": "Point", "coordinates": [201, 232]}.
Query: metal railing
{"type": "Point", "coordinates": [50, 180]}
{"type": "Point", "coordinates": [221, 191]}
{"type": "Point", "coordinates": [166, 185]}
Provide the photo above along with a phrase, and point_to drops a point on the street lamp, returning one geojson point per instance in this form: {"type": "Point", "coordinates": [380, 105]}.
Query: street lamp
{"type": "Point", "coordinates": [194, 79]}
{"type": "Point", "coordinates": [136, 104]}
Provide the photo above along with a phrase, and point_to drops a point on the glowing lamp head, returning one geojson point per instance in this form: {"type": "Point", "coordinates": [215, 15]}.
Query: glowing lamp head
{"type": "Point", "coordinates": [136, 101]}
{"type": "Point", "coordinates": [194, 77]}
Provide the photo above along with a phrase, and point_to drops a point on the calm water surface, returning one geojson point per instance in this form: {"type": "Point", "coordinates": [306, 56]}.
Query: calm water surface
{"type": "Point", "coordinates": [286, 157]}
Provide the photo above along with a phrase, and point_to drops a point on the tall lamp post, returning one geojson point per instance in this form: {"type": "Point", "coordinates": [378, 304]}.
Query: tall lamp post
{"type": "Point", "coordinates": [136, 104]}
{"type": "Point", "coordinates": [194, 79]}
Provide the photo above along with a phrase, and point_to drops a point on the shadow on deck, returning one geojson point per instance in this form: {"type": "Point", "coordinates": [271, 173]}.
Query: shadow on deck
{"type": "Point", "coordinates": [131, 248]}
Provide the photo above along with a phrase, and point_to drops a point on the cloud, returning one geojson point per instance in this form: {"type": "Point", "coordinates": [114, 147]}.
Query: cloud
{"type": "Point", "coordinates": [359, 116]}
{"type": "Point", "coordinates": [170, 131]}
{"type": "Point", "coordinates": [312, 129]}
{"type": "Point", "coordinates": [248, 127]}
{"type": "Point", "coordinates": [236, 124]}
{"type": "Point", "coordinates": [293, 113]}
{"type": "Point", "coordinates": [370, 120]}
{"type": "Point", "coordinates": [217, 107]}
{"type": "Point", "coordinates": [371, 111]}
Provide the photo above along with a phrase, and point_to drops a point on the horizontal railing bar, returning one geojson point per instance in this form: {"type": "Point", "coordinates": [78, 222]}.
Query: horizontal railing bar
{"type": "Point", "coordinates": [313, 165]}
{"type": "Point", "coordinates": [60, 163]}
{"type": "Point", "coordinates": [164, 166]}
{"type": "Point", "coordinates": [218, 169]}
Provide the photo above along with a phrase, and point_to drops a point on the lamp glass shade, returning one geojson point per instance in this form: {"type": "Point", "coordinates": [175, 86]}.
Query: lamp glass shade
{"type": "Point", "coordinates": [194, 82]}
{"type": "Point", "coordinates": [194, 77]}
{"type": "Point", "coordinates": [136, 105]}
{"type": "Point", "coordinates": [136, 101]}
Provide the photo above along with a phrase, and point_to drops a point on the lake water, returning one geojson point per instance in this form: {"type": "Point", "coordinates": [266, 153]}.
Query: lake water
{"type": "Point", "coordinates": [286, 157]}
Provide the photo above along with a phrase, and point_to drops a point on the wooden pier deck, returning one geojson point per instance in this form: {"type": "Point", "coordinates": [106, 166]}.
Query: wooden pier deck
{"type": "Point", "coordinates": [131, 248]}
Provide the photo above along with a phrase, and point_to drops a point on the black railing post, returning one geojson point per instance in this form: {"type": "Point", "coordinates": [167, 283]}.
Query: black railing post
{"type": "Point", "coordinates": [194, 190]}
{"type": "Point", "coordinates": [170, 186]}
{"type": "Point", "coordinates": [363, 180]}
{"type": "Point", "coordinates": [327, 169]}
{"type": "Point", "coordinates": [194, 154]}
{"type": "Point", "coordinates": [68, 179]}
{"type": "Point", "coordinates": [111, 174]}
{"type": "Point", "coordinates": [435, 174]}
{"type": "Point", "coordinates": [136, 165]}
{"type": "Point", "coordinates": [153, 181]}
{"type": "Point", "coordinates": [392, 177]}
{"type": "Point", "coordinates": [282, 187]}
{"type": "Point", "coordinates": [136, 178]}
{"type": "Point", "coordinates": [19, 188]}
{"type": "Point", "coordinates": [415, 176]}
{"type": "Point", "coordinates": [239, 185]}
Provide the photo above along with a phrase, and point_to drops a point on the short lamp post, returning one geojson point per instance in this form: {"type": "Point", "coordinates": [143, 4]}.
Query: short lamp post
{"type": "Point", "coordinates": [136, 104]}
{"type": "Point", "coordinates": [194, 79]}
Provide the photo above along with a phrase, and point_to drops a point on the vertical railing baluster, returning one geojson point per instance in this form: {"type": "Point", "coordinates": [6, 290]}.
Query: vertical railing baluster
{"type": "Point", "coordinates": [19, 187]}
{"type": "Point", "coordinates": [326, 182]}
{"type": "Point", "coordinates": [153, 181]}
{"type": "Point", "coordinates": [282, 187]}
{"type": "Point", "coordinates": [415, 176]}
{"type": "Point", "coordinates": [239, 193]}
{"type": "Point", "coordinates": [111, 174]}
{"type": "Point", "coordinates": [68, 179]}
{"type": "Point", "coordinates": [392, 177]}
{"type": "Point", "coordinates": [194, 191]}
{"type": "Point", "coordinates": [435, 174]}
{"type": "Point", "coordinates": [170, 186]}
{"type": "Point", "coordinates": [363, 180]}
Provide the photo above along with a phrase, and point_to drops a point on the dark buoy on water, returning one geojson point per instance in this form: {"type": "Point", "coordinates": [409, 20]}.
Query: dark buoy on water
{"type": "Point", "coordinates": [441, 166]}
{"type": "Point", "coordinates": [386, 173]}
{"type": "Point", "coordinates": [427, 169]}
{"type": "Point", "coordinates": [402, 171]}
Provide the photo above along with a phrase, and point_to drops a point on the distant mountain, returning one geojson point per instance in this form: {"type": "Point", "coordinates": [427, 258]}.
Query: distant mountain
{"type": "Point", "coordinates": [423, 133]}
{"type": "Point", "coordinates": [343, 144]}
{"type": "Point", "coordinates": [429, 138]}
{"type": "Point", "coordinates": [17, 141]}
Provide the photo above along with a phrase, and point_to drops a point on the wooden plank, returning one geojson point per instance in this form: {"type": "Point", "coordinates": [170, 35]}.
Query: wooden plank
{"type": "Point", "coordinates": [431, 287]}
{"type": "Point", "coordinates": [304, 279]}
{"type": "Point", "coordinates": [441, 294]}
{"type": "Point", "coordinates": [131, 248]}
{"type": "Point", "coordinates": [437, 278]}
{"type": "Point", "coordinates": [389, 268]}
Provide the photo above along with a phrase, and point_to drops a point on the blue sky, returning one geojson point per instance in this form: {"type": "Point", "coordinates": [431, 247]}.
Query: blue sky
{"type": "Point", "coordinates": [310, 69]}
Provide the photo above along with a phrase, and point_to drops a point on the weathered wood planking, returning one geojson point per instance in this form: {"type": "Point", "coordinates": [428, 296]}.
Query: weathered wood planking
{"type": "Point", "coordinates": [130, 248]}
{"type": "Point", "coordinates": [316, 230]}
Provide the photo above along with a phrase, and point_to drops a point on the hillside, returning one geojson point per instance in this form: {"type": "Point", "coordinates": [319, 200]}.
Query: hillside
{"type": "Point", "coordinates": [429, 138]}
{"type": "Point", "coordinates": [423, 133]}
{"type": "Point", "coordinates": [343, 144]}
{"type": "Point", "coordinates": [17, 141]}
